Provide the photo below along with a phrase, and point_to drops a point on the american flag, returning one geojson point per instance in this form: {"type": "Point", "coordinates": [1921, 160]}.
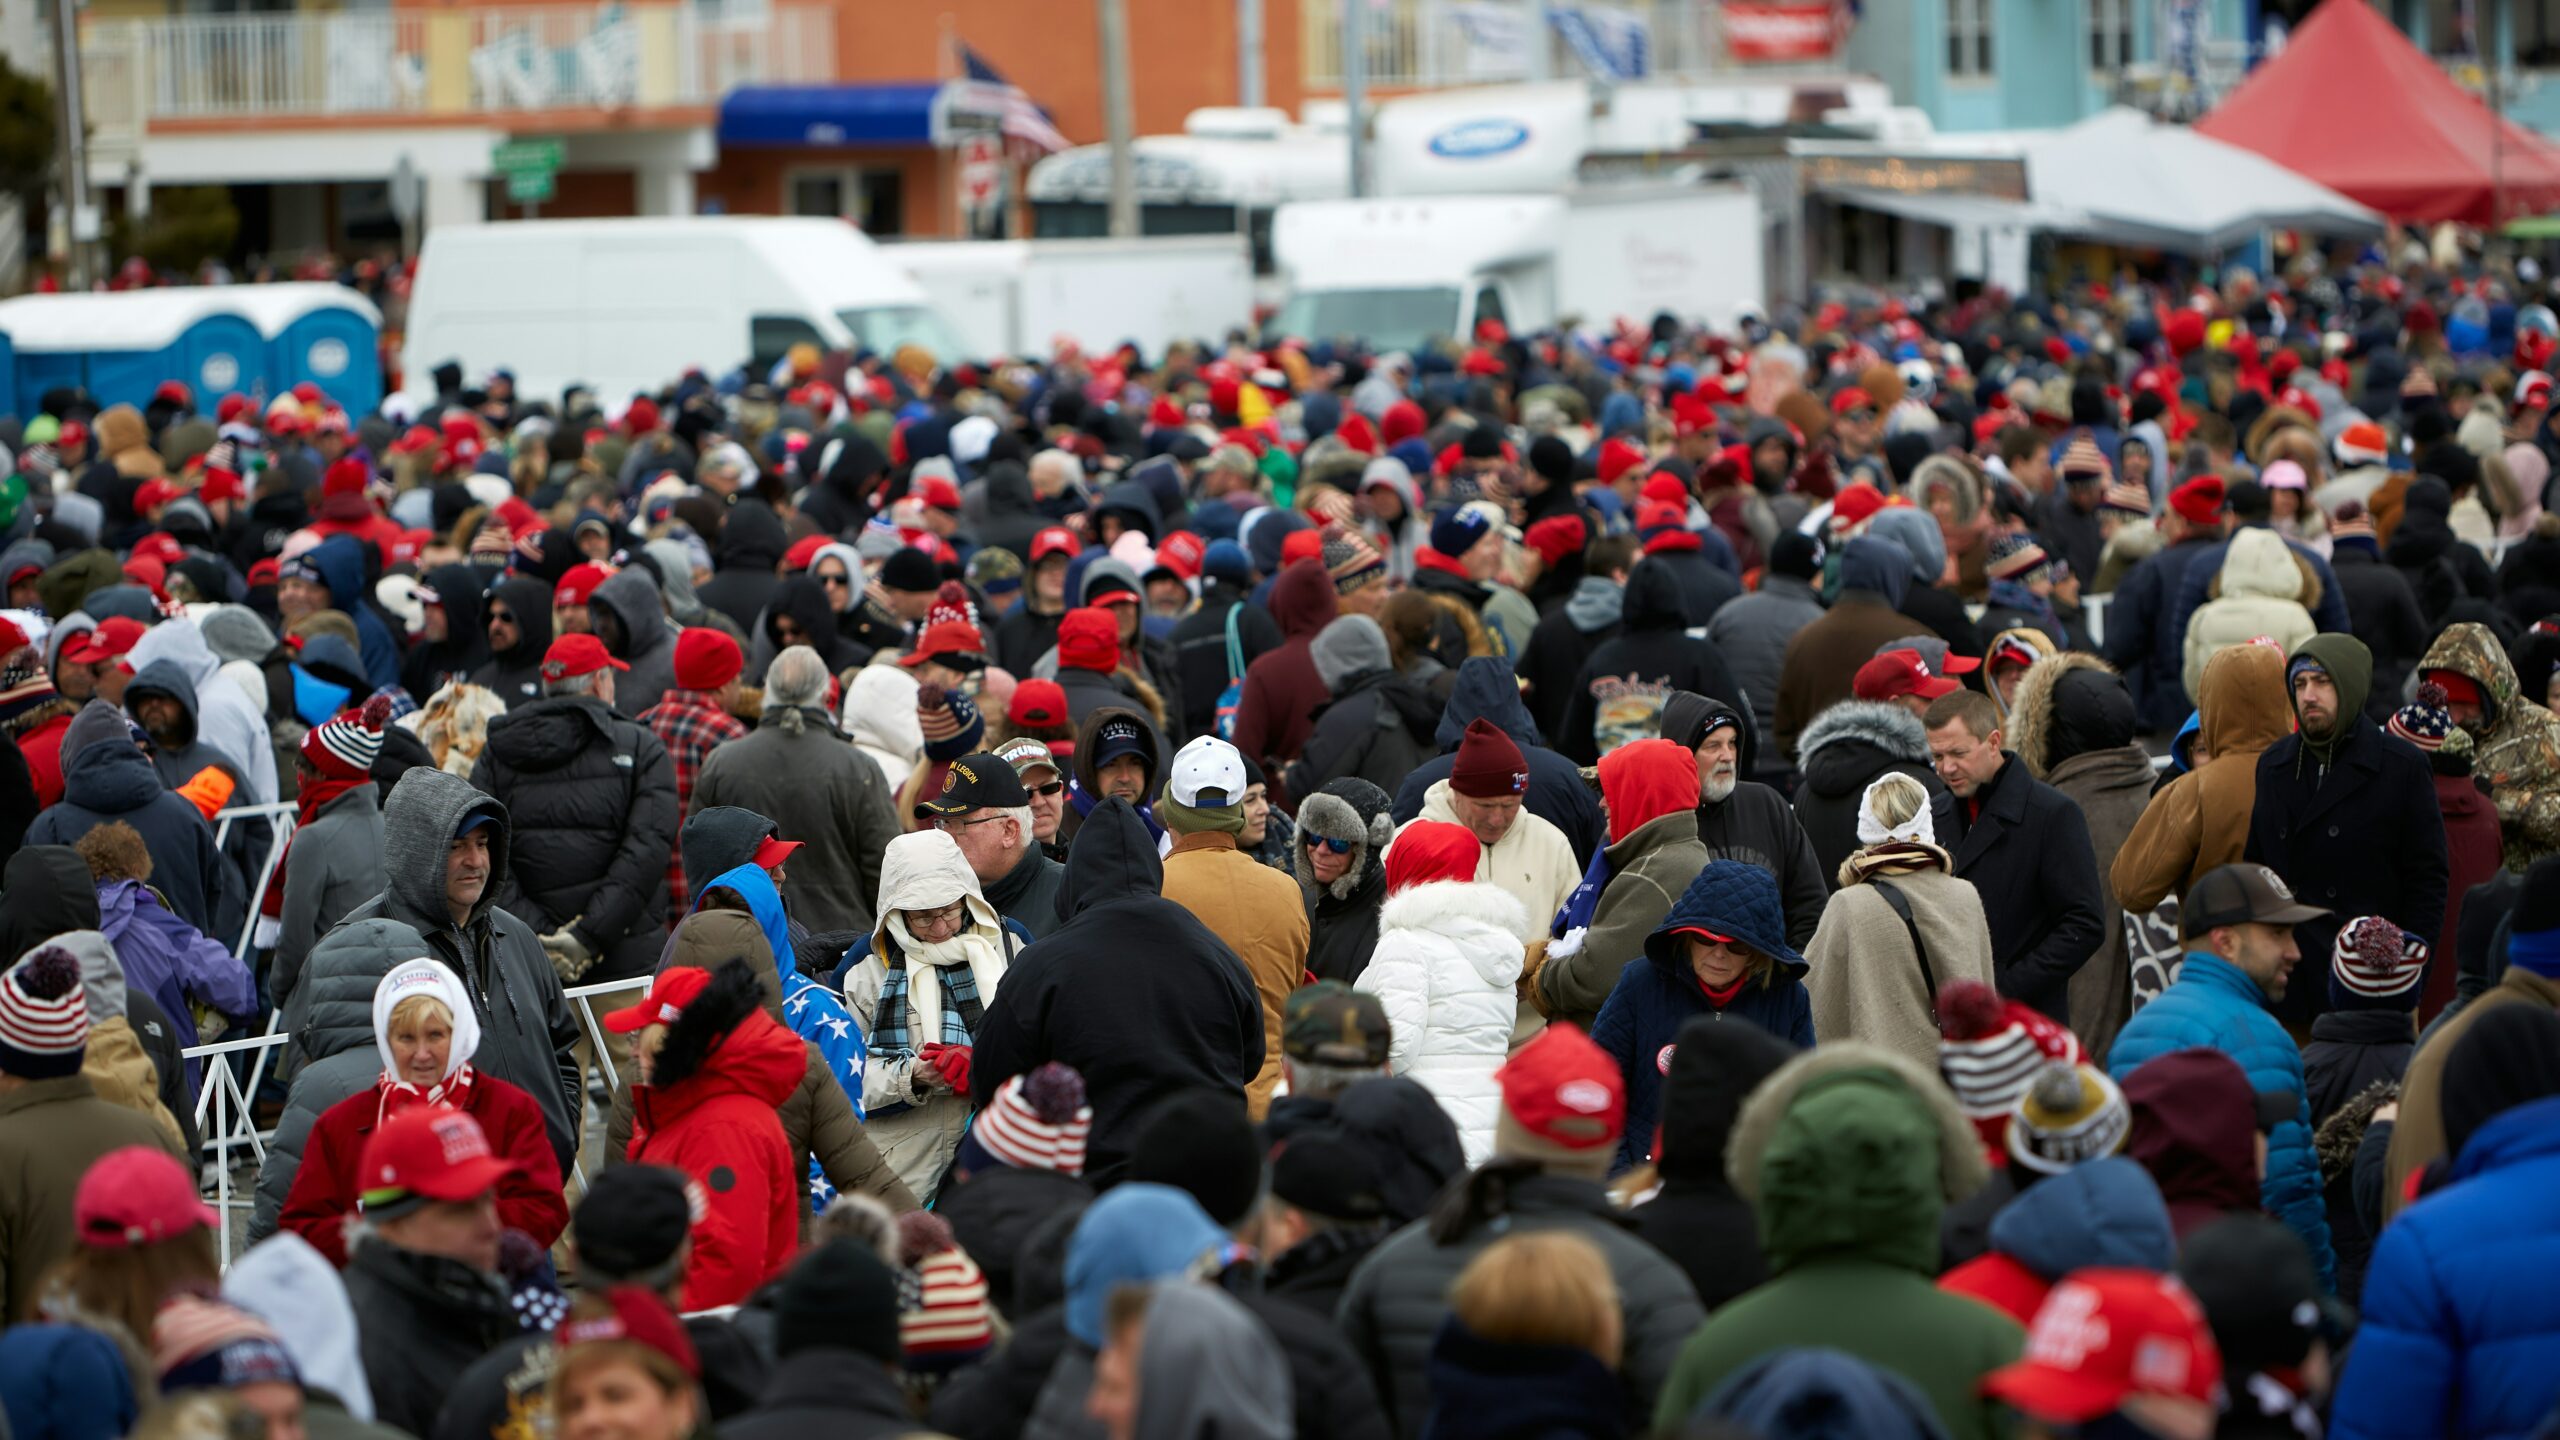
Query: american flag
{"type": "Point", "coordinates": [1024, 121]}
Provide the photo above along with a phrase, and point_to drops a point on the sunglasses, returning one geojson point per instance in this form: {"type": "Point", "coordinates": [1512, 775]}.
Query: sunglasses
{"type": "Point", "coordinates": [1054, 787]}
{"type": "Point", "coordinates": [1327, 842]}
{"type": "Point", "coordinates": [835, 580]}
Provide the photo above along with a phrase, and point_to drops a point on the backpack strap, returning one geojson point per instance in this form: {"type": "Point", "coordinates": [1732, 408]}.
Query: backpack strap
{"type": "Point", "coordinates": [1892, 895]}
{"type": "Point", "coordinates": [1235, 643]}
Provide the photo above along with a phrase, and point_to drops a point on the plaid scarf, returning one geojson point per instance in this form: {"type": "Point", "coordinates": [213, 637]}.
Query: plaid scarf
{"type": "Point", "coordinates": [960, 1009]}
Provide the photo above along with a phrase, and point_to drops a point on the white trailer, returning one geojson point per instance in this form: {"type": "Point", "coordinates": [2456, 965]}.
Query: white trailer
{"type": "Point", "coordinates": [1021, 297]}
{"type": "Point", "coordinates": [1399, 273]}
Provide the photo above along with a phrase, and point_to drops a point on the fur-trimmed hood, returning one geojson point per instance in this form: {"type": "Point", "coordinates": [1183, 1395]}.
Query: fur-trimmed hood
{"type": "Point", "coordinates": [2339, 1136]}
{"type": "Point", "coordinates": [1852, 1112]}
{"type": "Point", "coordinates": [1347, 809]}
{"type": "Point", "coordinates": [1890, 729]}
{"type": "Point", "coordinates": [2031, 720]}
{"type": "Point", "coordinates": [1464, 912]}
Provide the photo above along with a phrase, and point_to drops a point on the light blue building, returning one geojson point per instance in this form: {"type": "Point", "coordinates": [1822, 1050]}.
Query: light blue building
{"type": "Point", "coordinates": [2010, 64]}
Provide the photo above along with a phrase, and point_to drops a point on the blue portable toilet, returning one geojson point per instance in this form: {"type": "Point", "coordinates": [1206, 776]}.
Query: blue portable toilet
{"type": "Point", "coordinates": [323, 334]}
{"type": "Point", "coordinates": [122, 346]}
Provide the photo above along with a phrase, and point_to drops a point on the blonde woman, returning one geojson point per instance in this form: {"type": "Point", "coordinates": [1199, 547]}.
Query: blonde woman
{"type": "Point", "coordinates": [1532, 1343]}
{"type": "Point", "coordinates": [1876, 975]}
{"type": "Point", "coordinates": [427, 1033]}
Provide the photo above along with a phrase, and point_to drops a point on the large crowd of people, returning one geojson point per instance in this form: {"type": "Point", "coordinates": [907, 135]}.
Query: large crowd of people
{"type": "Point", "coordinates": [1963, 868]}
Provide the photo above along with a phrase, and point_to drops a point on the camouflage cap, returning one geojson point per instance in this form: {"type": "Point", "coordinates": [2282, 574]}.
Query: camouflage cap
{"type": "Point", "coordinates": [1329, 1023]}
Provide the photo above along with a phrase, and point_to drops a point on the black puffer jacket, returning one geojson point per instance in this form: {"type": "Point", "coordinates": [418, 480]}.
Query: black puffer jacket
{"type": "Point", "coordinates": [516, 673]}
{"type": "Point", "coordinates": [1846, 749]}
{"type": "Point", "coordinates": [1342, 918]}
{"type": "Point", "coordinates": [1133, 993]}
{"type": "Point", "coordinates": [1399, 1296]}
{"type": "Point", "coordinates": [593, 800]}
{"type": "Point", "coordinates": [1696, 1218]}
{"type": "Point", "coordinates": [421, 1321]}
{"type": "Point", "coordinates": [751, 545]}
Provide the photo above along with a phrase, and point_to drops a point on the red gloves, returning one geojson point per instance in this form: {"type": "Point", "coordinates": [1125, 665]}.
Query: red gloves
{"type": "Point", "coordinates": [953, 1063]}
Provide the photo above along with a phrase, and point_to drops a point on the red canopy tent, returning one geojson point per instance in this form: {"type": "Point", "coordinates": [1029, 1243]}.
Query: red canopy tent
{"type": "Point", "coordinates": [2352, 104]}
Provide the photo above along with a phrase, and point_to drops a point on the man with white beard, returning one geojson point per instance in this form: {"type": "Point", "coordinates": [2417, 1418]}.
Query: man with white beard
{"type": "Point", "coordinates": [1742, 819]}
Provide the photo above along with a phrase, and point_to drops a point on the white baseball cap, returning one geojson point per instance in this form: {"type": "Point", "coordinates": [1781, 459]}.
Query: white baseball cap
{"type": "Point", "coordinates": [1207, 766]}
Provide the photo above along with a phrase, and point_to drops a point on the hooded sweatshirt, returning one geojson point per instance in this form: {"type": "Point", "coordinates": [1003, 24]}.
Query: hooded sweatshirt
{"type": "Point", "coordinates": [1652, 791]}
{"type": "Point", "coordinates": [297, 1291]}
{"type": "Point", "coordinates": [430, 665]}
{"type": "Point", "coordinates": [1619, 694]}
{"type": "Point", "coordinates": [107, 777]}
{"type": "Point", "coordinates": [2194, 1131]}
{"type": "Point", "coordinates": [1210, 1368]}
{"type": "Point", "coordinates": [751, 545]}
{"type": "Point", "coordinates": [1132, 992]}
{"type": "Point", "coordinates": [229, 722]}
{"type": "Point", "coordinates": [1282, 688]}
{"type": "Point", "coordinates": [2200, 820]}
{"type": "Point", "coordinates": [2105, 1212]}
{"type": "Point", "coordinates": [648, 643]}
{"type": "Point", "coordinates": [340, 559]}
{"type": "Point", "coordinates": [515, 674]}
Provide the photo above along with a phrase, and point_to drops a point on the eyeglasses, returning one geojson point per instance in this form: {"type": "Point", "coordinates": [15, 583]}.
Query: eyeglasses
{"type": "Point", "coordinates": [949, 825]}
{"type": "Point", "coordinates": [1327, 842]}
{"type": "Point", "coordinates": [943, 921]}
{"type": "Point", "coordinates": [1054, 787]}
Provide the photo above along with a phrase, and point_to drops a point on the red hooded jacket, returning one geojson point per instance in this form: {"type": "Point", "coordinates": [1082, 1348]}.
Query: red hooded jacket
{"type": "Point", "coordinates": [719, 1125]}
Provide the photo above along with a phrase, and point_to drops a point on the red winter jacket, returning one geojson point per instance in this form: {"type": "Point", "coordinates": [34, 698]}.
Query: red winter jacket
{"type": "Point", "coordinates": [43, 748]}
{"type": "Point", "coordinates": [720, 1125]}
{"type": "Point", "coordinates": [324, 1191]}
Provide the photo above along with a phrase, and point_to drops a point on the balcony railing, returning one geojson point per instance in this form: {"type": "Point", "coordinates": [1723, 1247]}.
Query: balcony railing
{"type": "Point", "coordinates": [1429, 44]}
{"type": "Point", "coordinates": [444, 62]}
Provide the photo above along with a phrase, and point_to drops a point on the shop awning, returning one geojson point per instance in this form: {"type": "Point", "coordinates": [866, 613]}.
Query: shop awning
{"type": "Point", "coordinates": [891, 113]}
{"type": "Point", "coordinates": [2168, 187]}
{"type": "Point", "coordinates": [1955, 211]}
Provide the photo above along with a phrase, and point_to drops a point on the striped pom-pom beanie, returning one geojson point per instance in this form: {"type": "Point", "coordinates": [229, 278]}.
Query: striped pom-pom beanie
{"type": "Point", "coordinates": [1038, 1121]}
{"type": "Point", "coordinates": [344, 746]}
{"type": "Point", "coordinates": [44, 1019]}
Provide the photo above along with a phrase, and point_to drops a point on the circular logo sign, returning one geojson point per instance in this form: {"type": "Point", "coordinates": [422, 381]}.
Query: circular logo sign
{"type": "Point", "coordinates": [1476, 139]}
{"type": "Point", "coordinates": [221, 371]}
{"type": "Point", "coordinates": [328, 357]}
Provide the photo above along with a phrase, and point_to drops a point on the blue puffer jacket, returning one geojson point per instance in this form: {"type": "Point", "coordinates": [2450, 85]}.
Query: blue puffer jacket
{"type": "Point", "coordinates": [1656, 994]}
{"type": "Point", "coordinates": [2218, 1007]}
{"type": "Point", "coordinates": [2461, 1330]}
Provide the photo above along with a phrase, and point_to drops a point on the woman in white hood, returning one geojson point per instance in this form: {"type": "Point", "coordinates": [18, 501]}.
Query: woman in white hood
{"type": "Point", "coordinates": [880, 715]}
{"type": "Point", "coordinates": [426, 1031]}
{"type": "Point", "coordinates": [1446, 971]}
{"type": "Point", "coordinates": [937, 955]}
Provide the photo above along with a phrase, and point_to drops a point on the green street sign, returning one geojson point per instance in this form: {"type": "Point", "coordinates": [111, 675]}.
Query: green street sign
{"type": "Point", "coordinates": [521, 156]}
{"type": "Point", "coordinates": [529, 186]}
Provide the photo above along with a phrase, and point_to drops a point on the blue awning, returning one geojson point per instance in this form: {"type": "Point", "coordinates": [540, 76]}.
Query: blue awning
{"type": "Point", "coordinates": [903, 113]}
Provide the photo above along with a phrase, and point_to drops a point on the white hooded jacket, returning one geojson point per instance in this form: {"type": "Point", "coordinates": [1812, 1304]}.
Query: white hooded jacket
{"type": "Point", "coordinates": [1449, 954]}
{"type": "Point", "coordinates": [880, 715]}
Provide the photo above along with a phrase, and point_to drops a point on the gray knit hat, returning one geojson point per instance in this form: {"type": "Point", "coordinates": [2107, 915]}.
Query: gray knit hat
{"type": "Point", "coordinates": [234, 632]}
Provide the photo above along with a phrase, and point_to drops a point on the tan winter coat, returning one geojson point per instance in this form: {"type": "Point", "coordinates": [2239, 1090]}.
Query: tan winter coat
{"type": "Point", "coordinates": [2264, 589]}
{"type": "Point", "coordinates": [1532, 860]}
{"type": "Point", "coordinates": [116, 1067]}
{"type": "Point", "coordinates": [1259, 913]}
{"type": "Point", "coordinates": [51, 1132]}
{"type": "Point", "coordinates": [1864, 979]}
{"type": "Point", "coordinates": [2201, 819]}
{"type": "Point", "coordinates": [2417, 1140]}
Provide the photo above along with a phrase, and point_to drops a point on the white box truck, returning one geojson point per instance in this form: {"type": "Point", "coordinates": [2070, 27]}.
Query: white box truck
{"type": "Point", "coordinates": [623, 306]}
{"type": "Point", "coordinates": [1019, 297]}
{"type": "Point", "coordinates": [1398, 273]}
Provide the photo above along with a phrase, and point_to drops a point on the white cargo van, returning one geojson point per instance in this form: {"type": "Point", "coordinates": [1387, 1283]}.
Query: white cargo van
{"type": "Point", "coordinates": [626, 305]}
{"type": "Point", "coordinates": [1399, 273]}
{"type": "Point", "coordinates": [1019, 297]}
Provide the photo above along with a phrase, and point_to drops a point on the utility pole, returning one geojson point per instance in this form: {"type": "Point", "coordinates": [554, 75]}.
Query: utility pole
{"type": "Point", "coordinates": [1118, 119]}
{"type": "Point", "coordinates": [1355, 90]}
{"type": "Point", "coordinates": [72, 144]}
{"type": "Point", "coordinates": [1541, 66]}
{"type": "Point", "coordinates": [1249, 66]}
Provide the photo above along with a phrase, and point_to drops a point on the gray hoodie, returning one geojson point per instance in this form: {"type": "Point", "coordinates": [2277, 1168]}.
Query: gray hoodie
{"type": "Point", "coordinates": [227, 718]}
{"type": "Point", "coordinates": [293, 1287]}
{"type": "Point", "coordinates": [648, 647]}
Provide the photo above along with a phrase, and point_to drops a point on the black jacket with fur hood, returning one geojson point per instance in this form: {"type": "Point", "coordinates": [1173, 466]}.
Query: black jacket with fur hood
{"type": "Point", "coordinates": [1342, 917]}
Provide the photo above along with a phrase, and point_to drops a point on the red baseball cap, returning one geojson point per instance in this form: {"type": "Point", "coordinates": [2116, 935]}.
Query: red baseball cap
{"type": "Point", "coordinates": [804, 551]}
{"type": "Point", "coordinates": [938, 492]}
{"type": "Point", "coordinates": [1900, 672]}
{"type": "Point", "coordinates": [152, 494]}
{"type": "Point", "coordinates": [573, 655]}
{"type": "Point", "coordinates": [772, 851]}
{"type": "Point", "coordinates": [427, 1152]}
{"type": "Point", "coordinates": [639, 1317]}
{"type": "Point", "coordinates": [1037, 703]}
{"type": "Point", "coordinates": [674, 989]}
{"type": "Point", "coordinates": [1182, 553]}
{"type": "Point", "coordinates": [955, 643]}
{"type": "Point", "coordinates": [578, 583]}
{"type": "Point", "coordinates": [114, 636]}
{"type": "Point", "coordinates": [1565, 1090]}
{"type": "Point", "coordinates": [1851, 397]}
{"type": "Point", "coordinates": [137, 1196]}
{"type": "Point", "coordinates": [1056, 540]}
{"type": "Point", "coordinates": [2104, 1336]}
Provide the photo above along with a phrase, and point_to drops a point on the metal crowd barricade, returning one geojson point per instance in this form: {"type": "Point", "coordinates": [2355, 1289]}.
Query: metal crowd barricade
{"type": "Point", "coordinates": [281, 815]}
{"type": "Point", "coordinates": [227, 1118]}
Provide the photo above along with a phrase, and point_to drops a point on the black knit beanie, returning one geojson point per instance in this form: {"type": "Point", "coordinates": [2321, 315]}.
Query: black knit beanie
{"type": "Point", "coordinates": [2510, 1056]}
{"type": "Point", "coordinates": [1201, 1142]}
{"type": "Point", "coordinates": [840, 1294]}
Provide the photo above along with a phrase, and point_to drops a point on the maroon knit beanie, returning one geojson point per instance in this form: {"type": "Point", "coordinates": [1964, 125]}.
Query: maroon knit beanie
{"type": "Point", "coordinates": [1489, 766]}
